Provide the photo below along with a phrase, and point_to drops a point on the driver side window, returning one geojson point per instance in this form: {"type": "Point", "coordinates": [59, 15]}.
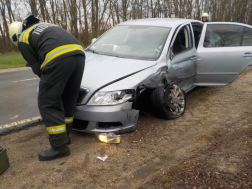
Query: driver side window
{"type": "Point", "coordinates": [182, 41]}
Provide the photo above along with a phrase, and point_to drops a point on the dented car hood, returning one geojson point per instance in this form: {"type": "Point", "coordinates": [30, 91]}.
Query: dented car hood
{"type": "Point", "coordinates": [101, 70]}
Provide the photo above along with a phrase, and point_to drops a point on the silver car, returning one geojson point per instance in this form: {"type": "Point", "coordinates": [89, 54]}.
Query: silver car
{"type": "Point", "coordinates": [159, 59]}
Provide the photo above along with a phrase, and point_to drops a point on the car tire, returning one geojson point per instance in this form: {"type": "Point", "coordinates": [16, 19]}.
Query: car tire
{"type": "Point", "coordinates": [168, 101]}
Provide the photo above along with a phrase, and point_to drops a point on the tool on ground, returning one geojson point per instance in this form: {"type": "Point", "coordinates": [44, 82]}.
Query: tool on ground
{"type": "Point", "coordinates": [4, 161]}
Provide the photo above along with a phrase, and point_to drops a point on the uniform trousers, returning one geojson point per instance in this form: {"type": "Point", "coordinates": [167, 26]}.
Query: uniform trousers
{"type": "Point", "coordinates": [58, 92]}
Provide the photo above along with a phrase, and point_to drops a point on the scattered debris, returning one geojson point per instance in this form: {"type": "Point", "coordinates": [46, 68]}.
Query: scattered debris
{"type": "Point", "coordinates": [102, 158]}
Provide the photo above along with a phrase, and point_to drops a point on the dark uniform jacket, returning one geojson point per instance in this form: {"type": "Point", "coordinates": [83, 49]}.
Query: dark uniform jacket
{"type": "Point", "coordinates": [43, 44]}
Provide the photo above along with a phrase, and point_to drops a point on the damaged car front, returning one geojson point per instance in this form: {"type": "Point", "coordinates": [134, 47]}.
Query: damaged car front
{"type": "Point", "coordinates": [120, 65]}
{"type": "Point", "coordinates": [162, 59]}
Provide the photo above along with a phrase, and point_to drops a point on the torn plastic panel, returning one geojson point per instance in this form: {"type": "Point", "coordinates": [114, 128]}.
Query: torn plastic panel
{"type": "Point", "coordinates": [157, 79]}
{"type": "Point", "coordinates": [165, 75]}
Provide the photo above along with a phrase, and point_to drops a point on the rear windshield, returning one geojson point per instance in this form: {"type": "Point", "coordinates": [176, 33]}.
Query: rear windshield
{"type": "Point", "coordinates": [137, 42]}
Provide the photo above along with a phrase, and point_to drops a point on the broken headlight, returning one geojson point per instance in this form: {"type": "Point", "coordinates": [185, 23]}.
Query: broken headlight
{"type": "Point", "coordinates": [111, 98]}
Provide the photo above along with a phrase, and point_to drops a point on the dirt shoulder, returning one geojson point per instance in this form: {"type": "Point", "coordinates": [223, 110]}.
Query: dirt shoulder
{"type": "Point", "coordinates": [209, 147]}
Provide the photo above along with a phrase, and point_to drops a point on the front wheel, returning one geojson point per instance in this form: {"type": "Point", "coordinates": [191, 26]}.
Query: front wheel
{"type": "Point", "coordinates": [168, 101]}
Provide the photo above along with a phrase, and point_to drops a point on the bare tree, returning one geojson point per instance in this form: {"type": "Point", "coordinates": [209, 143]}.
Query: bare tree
{"type": "Point", "coordinates": [33, 5]}
{"type": "Point", "coordinates": [86, 19]}
{"type": "Point", "coordinates": [4, 30]}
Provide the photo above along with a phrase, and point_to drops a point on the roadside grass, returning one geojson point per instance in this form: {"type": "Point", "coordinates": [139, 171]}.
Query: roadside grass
{"type": "Point", "coordinates": [11, 60]}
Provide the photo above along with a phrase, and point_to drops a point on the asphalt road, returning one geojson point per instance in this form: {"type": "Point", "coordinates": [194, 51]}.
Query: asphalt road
{"type": "Point", "coordinates": [18, 95]}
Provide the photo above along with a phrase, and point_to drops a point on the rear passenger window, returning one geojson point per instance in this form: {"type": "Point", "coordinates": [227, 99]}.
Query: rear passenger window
{"type": "Point", "coordinates": [218, 35]}
{"type": "Point", "coordinates": [247, 37]}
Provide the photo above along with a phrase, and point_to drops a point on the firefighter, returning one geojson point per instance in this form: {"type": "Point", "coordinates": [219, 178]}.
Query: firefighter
{"type": "Point", "coordinates": [58, 59]}
{"type": "Point", "coordinates": [205, 17]}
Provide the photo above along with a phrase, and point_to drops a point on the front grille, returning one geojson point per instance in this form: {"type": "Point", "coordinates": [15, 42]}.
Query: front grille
{"type": "Point", "coordinates": [82, 93]}
{"type": "Point", "coordinates": [80, 124]}
{"type": "Point", "coordinates": [109, 124]}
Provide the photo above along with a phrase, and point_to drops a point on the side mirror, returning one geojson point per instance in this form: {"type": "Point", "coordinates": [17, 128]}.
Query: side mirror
{"type": "Point", "coordinates": [93, 40]}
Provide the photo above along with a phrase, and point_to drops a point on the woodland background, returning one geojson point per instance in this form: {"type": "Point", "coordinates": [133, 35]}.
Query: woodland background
{"type": "Point", "coordinates": [87, 19]}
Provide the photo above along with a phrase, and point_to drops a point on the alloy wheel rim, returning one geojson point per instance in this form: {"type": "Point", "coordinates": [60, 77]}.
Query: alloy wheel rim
{"type": "Point", "coordinates": [177, 100]}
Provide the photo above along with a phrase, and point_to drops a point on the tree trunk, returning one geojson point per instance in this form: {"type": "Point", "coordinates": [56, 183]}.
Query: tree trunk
{"type": "Point", "coordinates": [42, 8]}
{"type": "Point", "coordinates": [33, 6]}
{"type": "Point", "coordinates": [124, 8]}
{"type": "Point", "coordinates": [3, 49]}
{"type": "Point", "coordinates": [117, 11]}
{"type": "Point", "coordinates": [5, 29]}
{"type": "Point", "coordinates": [11, 17]}
{"type": "Point", "coordinates": [97, 18]}
{"type": "Point", "coordinates": [86, 40]}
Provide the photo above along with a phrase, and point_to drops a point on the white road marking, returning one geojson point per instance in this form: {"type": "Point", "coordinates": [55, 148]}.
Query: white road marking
{"type": "Point", "coordinates": [14, 69]}
{"type": "Point", "coordinates": [38, 118]}
{"type": "Point", "coordinates": [24, 80]}
{"type": "Point", "coordinates": [16, 116]}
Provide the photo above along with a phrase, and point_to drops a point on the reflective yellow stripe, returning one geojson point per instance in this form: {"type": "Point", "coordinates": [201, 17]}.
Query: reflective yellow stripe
{"type": "Point", "coordinates": [56, 129]}
{"type": "Point", "coordinates": [26, 34]}
{"type": "Point", "coordinates": [69, 120]}
{"type": "Point", "coordinates": [59, 51]}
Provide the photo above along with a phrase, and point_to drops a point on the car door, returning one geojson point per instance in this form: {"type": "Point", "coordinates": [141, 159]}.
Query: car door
{"type": "Point", "coordinates": [182, 53]}
{"type": "Point", "coordinates": [224, 51]}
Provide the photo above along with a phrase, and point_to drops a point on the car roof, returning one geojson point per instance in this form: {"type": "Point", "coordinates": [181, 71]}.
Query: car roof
{"type": "Point", "coordinates": [163, 22]}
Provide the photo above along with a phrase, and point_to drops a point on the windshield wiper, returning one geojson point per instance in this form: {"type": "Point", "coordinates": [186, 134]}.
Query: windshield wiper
{"type": "Point", "coordinates": [93, 51]}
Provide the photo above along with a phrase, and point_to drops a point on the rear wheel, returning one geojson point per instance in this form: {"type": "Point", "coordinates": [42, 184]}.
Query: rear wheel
{"type": "Point", "coordinates": [168, 101]}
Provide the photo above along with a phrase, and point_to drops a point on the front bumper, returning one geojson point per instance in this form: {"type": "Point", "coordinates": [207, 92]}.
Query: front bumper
{"type": "Point", "coordinates": [97, 119]}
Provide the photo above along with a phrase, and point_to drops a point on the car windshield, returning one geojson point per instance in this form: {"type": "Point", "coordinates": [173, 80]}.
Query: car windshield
{"type": "Point", "coordinates": [136, 42]}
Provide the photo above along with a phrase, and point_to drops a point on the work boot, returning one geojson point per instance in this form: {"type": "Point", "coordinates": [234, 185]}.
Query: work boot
{"type": "Point", "coordinates": [54, 153]}
{"type": "Point", "coordinates": [68, 139]}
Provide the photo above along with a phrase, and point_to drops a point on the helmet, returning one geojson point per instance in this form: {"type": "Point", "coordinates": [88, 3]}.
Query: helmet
{"type": "Point", "coordinates": [205, 15]}
{"type": "Point", "coordinates": [29, 21]}
{"type": "Point", "coordinates": [15, 30]}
